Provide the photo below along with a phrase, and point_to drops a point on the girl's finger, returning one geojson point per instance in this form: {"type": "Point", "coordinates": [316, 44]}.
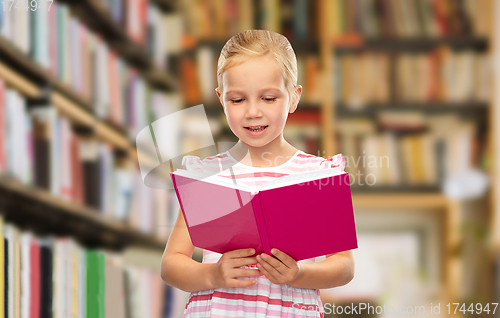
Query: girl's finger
{"type": "Point", "coordinates": [238, 262]}
{"type": "Point", "coordinates": [238, 283]}
{"type": "Point", "coordinates": [246, 272]}
{"type": "Point", "coordinates": [276, 264]}
{"type": "Point", "coordinates": [268, 266]}
{"type": "Point", "coordinates": [245, 252]}
{"type": "Point", "coordinates": [267, 274]}
{"type": "Point", "coordinates": [285, 258]}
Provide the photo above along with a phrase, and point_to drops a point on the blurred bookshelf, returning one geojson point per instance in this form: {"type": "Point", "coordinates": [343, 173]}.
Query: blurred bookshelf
{"type": "Point", "coordinates": [110, 69]}
{"type": "Point", "coordinates": [78, 81]}
{"type": "Point", "coordinates": [409, 77]}
{"type": "Point", "coordinates": [408, 80]}
{"type": "Point", "coordinates": [422, 44]}
{"type": "Point", "coordinates": [31, 205]}
{"type": "Point", "coordinates": [417, 90]}
{"type": "Point", "coordinates": [35, 86]}
{"type": "Point", "coordinates": [210, 25]}
{"type": "Point", "coordinates": [98, 17]}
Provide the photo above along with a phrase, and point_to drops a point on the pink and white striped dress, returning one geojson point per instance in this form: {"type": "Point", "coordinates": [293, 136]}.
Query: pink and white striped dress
{"type": "Point", "coordinates": [263, 299]}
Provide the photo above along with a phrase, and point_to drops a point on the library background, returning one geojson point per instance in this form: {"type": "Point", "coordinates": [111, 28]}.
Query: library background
{"type": "Point", "coordinates": [409, 83]}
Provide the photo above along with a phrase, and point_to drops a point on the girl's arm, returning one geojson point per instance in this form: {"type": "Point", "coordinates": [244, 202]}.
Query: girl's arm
{"type": "Point", "coordinates": [336, 270]}
{"type": "Point", "coordinates": [179, 270]}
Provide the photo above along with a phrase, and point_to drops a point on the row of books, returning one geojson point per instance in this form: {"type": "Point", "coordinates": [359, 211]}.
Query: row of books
{"type": "Point", "coordinates": [60, 43]}
{"type": "Point", "coordinates": [441, 75]}
{"type": "Point", "coordinates": [39, 147]}
{"type": "Point", "coordinates": [148, 26]}
{"type": "Point", "coordinates": [44, 29]}
{"type": "Point", "coordinates": [199, 77]}
{"type": "Point", "coordinates": [448, 146]}
{"type": "Point", "coordinates": [408, 19]}
{"type": "Point", "coordinates": [49, 276]}
{"type": "Point", "coordinates": [209, 20]}
{"type": "Point", "coordinates": [132, 16]}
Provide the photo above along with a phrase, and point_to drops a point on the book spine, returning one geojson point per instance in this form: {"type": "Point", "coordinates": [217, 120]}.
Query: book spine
{"type": "Point", "coordinates": [179, 198]}
{"type": "Point", "coordinates": [261, 223]}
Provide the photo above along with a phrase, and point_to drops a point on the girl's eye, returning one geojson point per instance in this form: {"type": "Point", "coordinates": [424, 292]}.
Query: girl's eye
{"type": "Point", "coordinates": [236, 101]}
{"type": "Point", "coordinates": [270, 99]}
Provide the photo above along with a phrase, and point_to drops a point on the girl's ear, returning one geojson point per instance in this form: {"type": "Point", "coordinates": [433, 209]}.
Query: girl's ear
{"type": "Point", "coordinates": [295, 98]}
{"type": "Point", "coordinates": [219, 96]}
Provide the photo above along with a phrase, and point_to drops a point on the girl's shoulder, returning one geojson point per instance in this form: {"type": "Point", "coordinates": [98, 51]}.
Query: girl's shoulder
{"type": "Point", "coordinates": [313, 161]}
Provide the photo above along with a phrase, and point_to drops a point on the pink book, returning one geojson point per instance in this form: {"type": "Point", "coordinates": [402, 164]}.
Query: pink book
{"type": "Point", "coordinates": [305, 215]}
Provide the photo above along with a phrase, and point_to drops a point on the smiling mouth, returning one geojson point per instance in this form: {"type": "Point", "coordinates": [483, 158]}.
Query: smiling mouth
{"type": "Point", "coordinates": [256, 128]}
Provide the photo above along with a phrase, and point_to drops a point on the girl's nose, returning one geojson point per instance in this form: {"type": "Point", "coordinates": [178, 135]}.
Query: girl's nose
{"type": "Point", "coordinates": [253, 110]}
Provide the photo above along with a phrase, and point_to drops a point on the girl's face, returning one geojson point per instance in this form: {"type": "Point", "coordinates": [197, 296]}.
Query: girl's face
{"type": "Point", "coordinates": [255, 95]}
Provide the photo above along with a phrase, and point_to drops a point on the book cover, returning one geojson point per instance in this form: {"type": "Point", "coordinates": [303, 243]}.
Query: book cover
{"type": "Point", "coordinates": [35, 278]}
{"type": "Point", "coordinates": [95, 281]}
{"type": "Point", "coordinates": [25, 273]}
{"type": "Point", "coordinates": [114, 293]}
{"type": "Point", "coordinates": [16, 273]}
{"type": "Point", "coordinates": [46, 271]}
{"type": "Point", "coordinates": [305, 215]}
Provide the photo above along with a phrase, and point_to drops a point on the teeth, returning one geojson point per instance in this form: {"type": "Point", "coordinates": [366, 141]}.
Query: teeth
{"type": "Point", "coordinates": [256, 128]}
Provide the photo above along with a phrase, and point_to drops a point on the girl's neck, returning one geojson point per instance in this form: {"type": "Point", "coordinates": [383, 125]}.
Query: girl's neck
{"type": "Point", "coordinates": [270, 155]}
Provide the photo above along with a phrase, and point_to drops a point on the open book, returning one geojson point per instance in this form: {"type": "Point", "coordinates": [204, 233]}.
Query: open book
{"type": "Point", "coordinates": [305, 215]}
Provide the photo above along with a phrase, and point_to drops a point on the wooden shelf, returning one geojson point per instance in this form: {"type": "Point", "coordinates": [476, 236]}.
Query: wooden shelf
{"type": "Point", "coordinates": [412, 44]}
{"type": "Point", "coordinates": [298, 45]}
{"type": "Point", "coordinates": [400, 200]}
{"type": "Point", "coordinates": [37, 209]}
{"type": "Point", "coordinates": [395, 189]}
{"type": "Point", "coordinates": [372, 109]}
{"type": "Point", "coordinates": [97, 17]}
{"type": "Point", "coordinates": [166, 5]}
{"type": "Point", "coordinates": [25, 66]}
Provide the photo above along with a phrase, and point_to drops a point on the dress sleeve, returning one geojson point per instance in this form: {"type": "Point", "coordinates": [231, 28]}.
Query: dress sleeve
{"type": "Point", "coordinates": [333, 162]}
{"type": "Point", "coordinates": [192, 163]}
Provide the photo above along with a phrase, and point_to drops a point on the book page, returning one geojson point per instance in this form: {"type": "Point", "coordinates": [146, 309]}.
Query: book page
{"type": "Point", "coordinates": [279, 182]}
{"type": "Point", "coordinates": [215, 179]}
{"type": "Point", "coordinates": [302, 177]}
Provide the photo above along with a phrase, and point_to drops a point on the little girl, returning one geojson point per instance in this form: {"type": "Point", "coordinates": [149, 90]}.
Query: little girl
{"type": "Point", "coordinates": [257, 78]}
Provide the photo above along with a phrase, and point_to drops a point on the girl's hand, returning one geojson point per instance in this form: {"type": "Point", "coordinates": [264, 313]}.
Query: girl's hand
{"type": "Point", "coordinates": [227, 269]}
{"type": "Point", "coordinates": [284, 272]}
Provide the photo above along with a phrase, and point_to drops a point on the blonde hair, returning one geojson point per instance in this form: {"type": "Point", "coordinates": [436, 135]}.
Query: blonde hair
{"type": "Point", "coordinates": [257, 43]}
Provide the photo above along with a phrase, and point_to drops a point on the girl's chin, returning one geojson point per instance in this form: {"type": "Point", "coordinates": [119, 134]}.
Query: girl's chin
{"type": "Point", "coordinates": [252, 142]}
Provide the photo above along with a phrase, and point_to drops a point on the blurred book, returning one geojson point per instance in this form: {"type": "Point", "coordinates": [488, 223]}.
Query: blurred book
{"type": "Point", "coordinates": [399, 155]}
{"type": "Point", "coordinates": [437, 76]}
{"type": "Point", "coordinates": [407, 19]}
{"type": "Point", "coordinates": [53, 276]}
{"type": "Point", "coordinates": [220, 19]}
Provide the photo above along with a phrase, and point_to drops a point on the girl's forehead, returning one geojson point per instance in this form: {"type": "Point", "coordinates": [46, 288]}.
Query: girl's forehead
{"type": "Point", "coordinates": [254, 72]}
